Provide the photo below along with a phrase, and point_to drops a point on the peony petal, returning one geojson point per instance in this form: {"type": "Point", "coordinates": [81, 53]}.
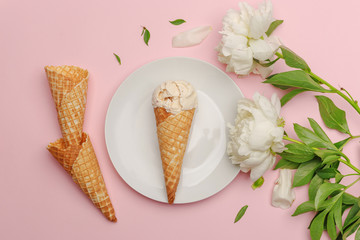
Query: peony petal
{"type": "Point", "coordinates": [261, 20]}
{"type": "Point", "coordinates": [262, 50]}
{"type": "Point", "coordinates": [283, 194]}
{"type": "Point", "coordinates": [231, 42]}
{"type": "Point", "coordinates": [242, 61]}
{"type": "Point", "coordinates": [278, 147]}
{"type": "Point", "coordinates": [255, 159]}
{"type": "Point", "coordinates": [275, 101]}
{"type": "Point", "coordinates": [260, 170]}
{"type": "Point", "coordinates": [191, 37]}
{"type": "Point", "coordinates": [263, 71]}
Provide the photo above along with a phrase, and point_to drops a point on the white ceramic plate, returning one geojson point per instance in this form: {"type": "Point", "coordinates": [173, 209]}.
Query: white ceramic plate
{"type": "Point", "coordinates": [130, 130]}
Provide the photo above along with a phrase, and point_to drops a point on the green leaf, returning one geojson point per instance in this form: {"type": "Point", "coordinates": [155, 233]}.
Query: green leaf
{"type": "Point", "coordinates": [337, 209]}
{"type": "Point", "coordinates": [294, 60]}
{"type": "Point", "coordinates": [305, 172]}
{"type": "Point", "coordinates": [357, 235]}
{"type": "Point", "coordinates": [287, 97]}
{"type": "Point", "coordinates": [332, 116]}
{"type": "Point", "coordinates": [146, 34]}
{"type": "Point", "coordinates": [327, 173]}
{"type": "Point", "coordinates": [258, 183]}
{"type": "Point", "coordinates": [338, 177]}
{"type": "Point", "coordinates": [314, 186]}
{"type": "Point", "coordinates": [353, 215]}
{"type": "Point", "coordinates": [240, 213]}
{"type": "Point", "coordinates": [273, 26]}
{"type": "Point", "coordinates": [351, 229]}
{"type": "Point", "coordinates": [324, 191]}
{"type": "Point", "coordinates": [323, 153]}
{"type": "Point", "coordinates": [319, 131]}
{"type": "Point", "coordinates": [285, 164]}
{"type": "Point", "coordinates": [331, 159]}
{"type": "Point", "coordinates": [296, 78]}
{"type": "Point", "coordinates": [330, 225]}
{"type": "Point", "coordinates": [317, 226]}
{"type": "Point", "coordinates": [117, 58]}
{"type": "Point", "coordinates": [341, 144]}
{"type": "Point", "coordinates": [304, 207]}
{"type": "Point", "coordinates": [349, 199]}
{"type": "Point", "coordinates": [298, 153]}
{"type": "Point", "coordinates": [177, 22]}
{"type": "Point", "coordinates": [281, 87]}
{"type": "Point", "coordinates": [310, 138]}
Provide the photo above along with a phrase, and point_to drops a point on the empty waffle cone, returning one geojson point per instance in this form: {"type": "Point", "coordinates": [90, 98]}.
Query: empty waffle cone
{"type": "Point", "coordinates": [173, 133]}
{"type": "Point", "coordinates": [81, 163]}
{"type": "Point", "coordinates": [74, 152]}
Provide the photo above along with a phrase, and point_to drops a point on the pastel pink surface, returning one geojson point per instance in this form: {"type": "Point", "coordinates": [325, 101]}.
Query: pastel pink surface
{"type": "Point", "coordinates": [40, 201]}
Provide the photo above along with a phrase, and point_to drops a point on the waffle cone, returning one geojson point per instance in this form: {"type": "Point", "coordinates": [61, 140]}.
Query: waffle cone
{"type": "Point", "coordinates": [74, 152]}
{"type": "Point", "coordinates": [173, 133]}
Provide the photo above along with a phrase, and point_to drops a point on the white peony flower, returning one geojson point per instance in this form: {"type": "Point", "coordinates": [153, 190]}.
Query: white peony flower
{"type": "Point", "coordinates": [283, 194]}
{"type": "Point", "coordinates": [256, 135]}
{"type": "Point", "coordinates": [244, 39]}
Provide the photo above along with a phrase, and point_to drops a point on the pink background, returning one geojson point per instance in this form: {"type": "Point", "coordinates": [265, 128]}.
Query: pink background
{"type": "Point", "coordinates": [40, 201]}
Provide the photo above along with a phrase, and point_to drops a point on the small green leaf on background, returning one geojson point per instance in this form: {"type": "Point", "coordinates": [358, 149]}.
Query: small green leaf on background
{"type": "Point", "coordinates": [117, 58]}
{"type": "Point", "coordinates": [324, 191]}
{"type": "Point", "coordinates": [177, 22]}
{"type": "Point", "coordinates": [287, 97]}
{"type": "Point", "coordinates": [305, 172]}
{"type": "Point", "coordinates": [240, 213]}
{"type": "Point", "coordinates": [296, 78]}
{"type": "Point", "coordinates": [258, 183]}
{"type": "Point", "coordinates": [293, 60]}
{"type": "Point", "coordinates": [273, 26]}
{"type": "Point", "coordinates": [145, 32]}
{"type": "Point", "coordinates": [285, 164]}
{"type": "Point", "coordinates": [332, 116]}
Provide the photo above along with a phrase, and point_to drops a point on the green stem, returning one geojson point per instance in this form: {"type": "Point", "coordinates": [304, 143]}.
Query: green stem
{"type": "Point", "coordinates": [348, 140]}
{"type": "Point", "coordinates": [350, 165]}
{"type": "Point", "coordinates": [291, 139]}
{"type": "Point", "coordinates": [351, 184]}
{"type": "Point", "coordinates": [351, 174]}
{"type": "Point", "coordinates": [350, 101]}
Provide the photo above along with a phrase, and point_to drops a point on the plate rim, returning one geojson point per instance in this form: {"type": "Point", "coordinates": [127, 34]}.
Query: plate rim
{"type": "Point", "coordinates": [128, 78]}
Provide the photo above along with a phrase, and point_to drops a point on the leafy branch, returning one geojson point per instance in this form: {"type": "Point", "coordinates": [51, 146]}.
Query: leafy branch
{"type": "Point", "coordinates": [316, 157]}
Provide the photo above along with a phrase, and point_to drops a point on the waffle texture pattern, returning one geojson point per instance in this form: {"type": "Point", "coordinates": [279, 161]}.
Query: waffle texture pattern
{"type": "Point", "coordinates": [173, 133]}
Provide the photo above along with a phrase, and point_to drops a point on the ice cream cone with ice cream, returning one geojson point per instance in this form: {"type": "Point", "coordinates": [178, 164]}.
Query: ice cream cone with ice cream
{"type": "Point", "coordinates": [174, 105]}
{"type": "Point", "coordinates": [74, 152]}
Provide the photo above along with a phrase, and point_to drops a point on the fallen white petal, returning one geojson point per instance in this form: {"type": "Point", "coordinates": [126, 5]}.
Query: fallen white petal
{"type": "Point", "coordinates": [283, 194]}
{"type": "Point", "coordinates": [191, 37]}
